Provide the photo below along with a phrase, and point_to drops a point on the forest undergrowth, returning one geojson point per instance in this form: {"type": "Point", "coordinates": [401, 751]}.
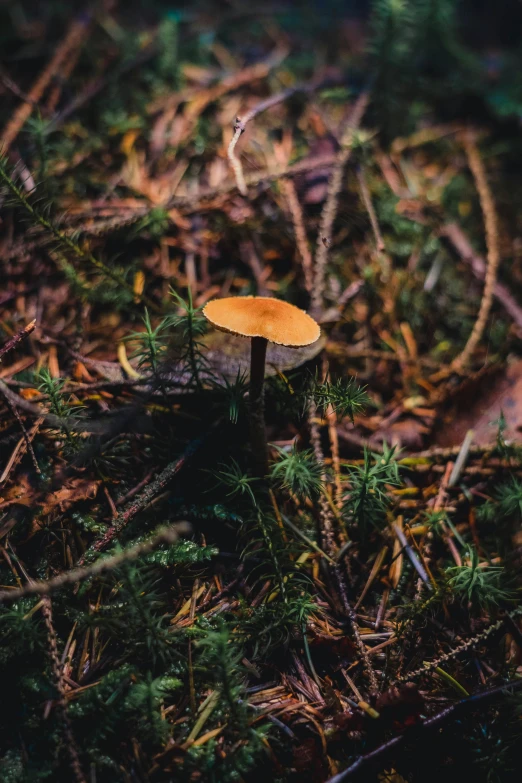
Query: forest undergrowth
{"type": "Point", "coordinates": [168, 611]}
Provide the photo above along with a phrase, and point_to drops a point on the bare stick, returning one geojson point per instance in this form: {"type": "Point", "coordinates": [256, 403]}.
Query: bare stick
{"type": "Point", "coordinates": [462, 458]}
{"type": "Point", "coordinates": [289, 191]}
{"type": "Point", "coordinates": [241, 124]}
{"type": "Point", "coordinates": [237, 168]}
{"type": "Point", "coordinates": [429, 667]}
{"type": "Point", "coordinates": [166, 535]}
{"type": "Point", "coordinates": [412, 556]}
{"type": "Point", "coordinates": [367, 201]}
{"type": "Point", "coordinates": [491, 224]}
{"type": "Point", "coordinates": [428, 723]}
{"type": "Point", "coordinates": [455, 235]}
{"type": "Point", "coordinates": [55, 93]}
{"type": "Point", "coordinates": [327, 534]}
{"type": "Point", "coordinates": [17, 338]}
{"type": "Point", "coordinates": [14, 88]}
{"type": "Point", "coordinates": [26, 439]}
{"type": "Point", "coordinates": [58, 681]}
{"type": "Point", "coordinates": [145, 497]}
{"type": "Point", "coordinates": [232, 81]}
{"type": "Point", "coordinates": [332, 199]}
{"type": "Point", "coordinates": [73, 39]}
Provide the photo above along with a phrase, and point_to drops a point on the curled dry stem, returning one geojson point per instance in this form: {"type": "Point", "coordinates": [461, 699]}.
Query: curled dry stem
{"type": "Point", "coordinates": [493, 258]}
{"type": "Point", "coordinates": [329, 212]}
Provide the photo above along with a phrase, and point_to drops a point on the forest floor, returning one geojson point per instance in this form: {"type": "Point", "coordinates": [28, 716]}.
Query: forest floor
{"type": "Point", "coordinates": [167, 613]}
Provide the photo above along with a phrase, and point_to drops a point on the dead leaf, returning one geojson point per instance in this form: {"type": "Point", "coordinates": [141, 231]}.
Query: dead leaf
{"type": "Point", "coordinates": [75, 489]}
{"type": "Point", "coordinates": [479, 406]}
{"type": "Point", "coordinates": [22, 494]}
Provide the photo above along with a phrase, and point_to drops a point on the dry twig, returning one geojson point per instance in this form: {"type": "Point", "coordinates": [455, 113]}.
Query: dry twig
{"type": "Point", "coordinates": [332, 199]}
{"type": "Point", "coordinates": [491, 224]}
{"type": "Point", "coordinates": [73, 40]}
{"type": "Point", "coordinates": [428, 723]}
{"type": "Point", "coordinates": [56, 666]}
{"type": "Point", "coordinates": [367, 201]}
{"type": "Point", "coordinates": [241, 124]}
{"type": "Point", "coordinates": [289, 191]}
{"type": "Point", "coordinates": [461, 244]}
{"type": "Point", "coordinates": [327, 535]}
{"type": "Point", "coordinates": [166, 535]}
{"type": "Point", "coordinates": [17, 338]}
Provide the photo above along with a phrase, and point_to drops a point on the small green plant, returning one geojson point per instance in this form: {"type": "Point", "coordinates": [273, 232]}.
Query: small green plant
{"type": "Point", "coordinates": [182, 554]}
{"type": "Point", "coordinates": [236, 481]}
{"type": "Point", "coordinates": [478, 585]}
{"type": "Point", "coordinates": [438, 521]}
{"type": "Point", "coordinates": [274, 624]}
{"type": "Point", "coordinates": [220, 657]}
{"type": "Point", "coordinates": [61, 405]}
{"type": "Point", "coordinates": [232, 394]}
{"type": "Point", "coordinates": [505, 505]}
{"type": "Point", "coordinates": [137, 612]}
{"type": "Point", "coordinates": [297, 472]}
{"type": "Point", "coordinates": [65, 243]}
{"type": "Point", "coordinates": [344, 395]}
{"type": "Point", "coordinates": [507, 449]}
{"type": "Point", "coordinates": [268, 547]}
{"type": "Point", "coordinates": [367, 500]}
{"type": "Point", "coordinates": [191, 325]}
{"type": "Point", "coordinates": [508, 497]}
{"type": "Point", "coordinates": [145, 699]}
{"type": "Point", "coordinates": [152, 344]}
{"type": "Point", "coordinates": [37, 130]}
{"type": "Point", "coordinates": [21, 630]}
{"type": "Point", "coordinates": [155, 224]}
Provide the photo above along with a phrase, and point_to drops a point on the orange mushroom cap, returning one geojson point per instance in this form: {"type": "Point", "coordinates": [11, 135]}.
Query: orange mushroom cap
{"type": "Point", "coordinates": [261, 316]}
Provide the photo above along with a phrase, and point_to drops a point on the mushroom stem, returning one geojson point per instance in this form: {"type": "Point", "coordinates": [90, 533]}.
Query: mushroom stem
{"type": "Point", "coordinates": [257, 406]}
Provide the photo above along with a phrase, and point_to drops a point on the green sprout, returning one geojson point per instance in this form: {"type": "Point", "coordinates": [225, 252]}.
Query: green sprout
{"type": "Point", "coordinates": [367, 500]}
{"type": "Point", "coordinates": [480, 586]}
{"type": "Point", "coordinates": [297, 472]}
{"type": "Point", "coordinates": [236, 481]}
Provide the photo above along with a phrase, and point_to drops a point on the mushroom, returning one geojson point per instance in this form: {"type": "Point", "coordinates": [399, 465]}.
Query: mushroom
{"type": "Point", "coordinates": [262, 319]}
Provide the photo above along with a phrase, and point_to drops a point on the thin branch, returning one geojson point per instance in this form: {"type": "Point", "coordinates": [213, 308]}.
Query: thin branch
{"type": "Point", "coordinates": [206, 198]}
{"type": "Point", "coordinates": [144, 498]}
{"type": "Point", "coordinates": [456, 237]}
{"type": "Point", "coordinates": [235, 163]}
{"type": "Point", "coordinates": [367, 201]}
{"type": "Point", "coordinates": [240, 125]}
{"type": "Point", "coordinates": [74, 424]}
{"type": "Point", "coordinates": [429, 723]}
{"type": "Point", "coordinates": [64, 239]}
{"type": "Point", "coordinates": [56, 667]}
{"type": "Point", "coordinates": [327, 535]}
{"type": "Point", "coordinates": [329, 212]}
{"type": "Point", "coordinates": [289, 191]}
{"type": "Point", "coordinates": [166, 535]}
{"type": "Point", "coordinates": [17, 338]}
{"type": "Point", "coordinates": [491, 224]}
{"type": "Point", "coordinates": [429, 667]}
{"type": "Point", "coordinates": [232, 81]}
{"type": "Point", "coordinates": [26, 438]}
{"type": "Point", "coordinates": [73, 39]}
